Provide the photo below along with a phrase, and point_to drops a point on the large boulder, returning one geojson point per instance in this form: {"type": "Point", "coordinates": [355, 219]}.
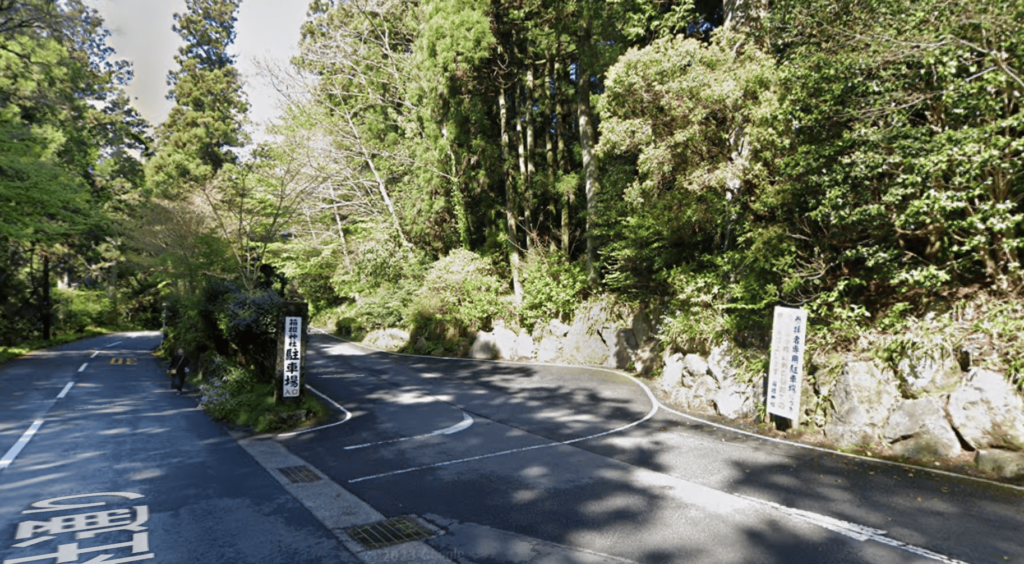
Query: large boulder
{"type": "Point", "coordinates": [387, 339]}
{"type": "Point", "coordinates": [484, 346]}
{"type": "Point", "coordinates": [697, 396]}
{"type": "Point", "coordinates": [987, 411]}
{"type": "Point", "coordinates": [734, 400]}
{"type": "Point", "coordinates": [721, 362]}
{"type": "Point", "coordinates": [672, 372]}
{"type": "Point", "coordinates": [549, 349]}
{"type": "Point", "coordinates": [924, 375]}
{"type": "Point", "coordinates": [525, 348]}
{"type": "Point", "coordinates": [645, 359]}
{"type": "Point", "coordinates": [584, 344]}
{"type": "Point", "coordinates": [695, 366]}
{"type": "Point", "coordinates": [615, 339]}
{"type": "Point", "coordinates": [1004, 464]}
{"type": "Point", "coordinates": [505, 342]}
{"type": "Point", "coordinates": [919, 428]}
{"type": "Point", "coordinates": [863, 398]}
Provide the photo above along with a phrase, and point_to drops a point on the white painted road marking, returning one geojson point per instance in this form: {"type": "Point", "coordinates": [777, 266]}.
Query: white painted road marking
{"type": "Point", "coordinates": [852, 530]}
{"type": "Point", "coordinates": [348, 415]}
{"type": "Point", "coordinates": [82, 369]}
{"type": "Point", "coordinates": [654, 409]}
{"type": "Point", "coordinates": [13, 453]}
{"type": "Point", "coordinates": [466, 423]}
{"type": "Point", "coordinates": [94, 354]}
{"type": "Point", "coordinates": [65, 391]}
{"type": "Point", "coordinates": [112, 344]}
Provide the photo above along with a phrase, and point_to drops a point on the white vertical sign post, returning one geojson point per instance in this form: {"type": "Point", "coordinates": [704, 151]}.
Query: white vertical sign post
{"type": "Point", "coordinates": [292, 356]}
{"type": "Point", "coordinates": [785, 375]}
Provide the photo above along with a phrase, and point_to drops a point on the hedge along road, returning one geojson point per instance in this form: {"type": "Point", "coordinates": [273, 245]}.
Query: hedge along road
{"type": "Point", "coordinates": [588, 458]}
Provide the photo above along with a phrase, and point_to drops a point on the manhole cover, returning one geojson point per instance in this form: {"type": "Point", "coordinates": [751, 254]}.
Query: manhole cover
{"type": "Point", "coordinates": [299, 474]}
{"type": "Point", "coordinates": [390, 532]}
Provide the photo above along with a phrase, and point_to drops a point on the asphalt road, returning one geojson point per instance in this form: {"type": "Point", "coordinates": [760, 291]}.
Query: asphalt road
{"type": "Point", "coordinates": [176, 487]}
{"type": "Point", "coordinates": [510, 462]}
{"type": "Point", "coordinates": [586, 459]}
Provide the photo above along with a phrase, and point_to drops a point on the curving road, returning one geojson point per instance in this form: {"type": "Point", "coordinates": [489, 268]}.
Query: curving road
{"type": "Point", "coordinates": [587, 460]}
{"type": "Point", "coordinates": [101, 463]}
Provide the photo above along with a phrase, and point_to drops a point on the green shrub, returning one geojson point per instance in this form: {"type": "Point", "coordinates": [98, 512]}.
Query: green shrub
{"type": "Point", "coordinates": [248, 321]}
{"type": "Point", "coordinates": [347, 326]}
{"type": "Point", "coordinates": [461, 287]}
{"type": "Point", "coordinates": [240, 398]}
{"type": "Point", "coordinates": [78, 310]}
{"type": "Point", "coordinates": [552, 288]}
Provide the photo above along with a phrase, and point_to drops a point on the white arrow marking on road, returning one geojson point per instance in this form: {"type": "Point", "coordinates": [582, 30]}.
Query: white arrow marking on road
{"type": "Point", "coordinates": [466, 423]}
{"type": "Point", "coordinates": [13, 453]}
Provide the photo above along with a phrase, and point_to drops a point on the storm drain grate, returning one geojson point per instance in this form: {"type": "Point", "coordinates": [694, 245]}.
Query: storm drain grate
{"type": "Point", "coordinates": [390, 532]}
{"type": "Point", "coordinates": [299, 474]}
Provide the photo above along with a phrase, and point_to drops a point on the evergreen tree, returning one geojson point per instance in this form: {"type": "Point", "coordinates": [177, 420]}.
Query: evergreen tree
{"type": "Point", "coordinates": [206, 124]}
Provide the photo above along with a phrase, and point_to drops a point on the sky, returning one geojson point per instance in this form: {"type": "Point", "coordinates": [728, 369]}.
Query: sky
{"type": "Point", "coordinates": [141, 33]}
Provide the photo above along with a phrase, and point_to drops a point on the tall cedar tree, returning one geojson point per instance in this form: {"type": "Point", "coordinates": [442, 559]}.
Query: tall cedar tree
{"type": "Point", "coordinates": [206, 123]}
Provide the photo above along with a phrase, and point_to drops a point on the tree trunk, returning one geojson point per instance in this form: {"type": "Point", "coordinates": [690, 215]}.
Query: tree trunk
{"type": "Point", "coordinates": [510, 216]}
{"type": "Point", "coordinates": [589, 162]}
{"type": "Point", "coordinates": [549, 141]}
{"type": "Point", "coordinates": [562, 162]}
{"type": "Point", "coordinates": [458, 201]}
{"type": "Point", "coordinates": [46, 305]}
{"type": "Point", "coordinates": [381, 186]}
{"type": "Point", "coordinates": [524, 172]}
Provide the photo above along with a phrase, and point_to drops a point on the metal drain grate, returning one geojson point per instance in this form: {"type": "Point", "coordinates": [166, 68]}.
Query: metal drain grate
{"type": "Point", "coordinates": [299, 474]}
{"type": "Point", "coordinates": [390, 532]}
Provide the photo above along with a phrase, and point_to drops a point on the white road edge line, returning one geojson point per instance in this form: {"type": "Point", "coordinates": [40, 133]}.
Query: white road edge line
{"type": "Point", "coordinates": [348, 415]}
{"type": "Point", "coordinates": [466, 423]}
{"type": "Point", "coordinates": [65, 391]}
{"type": "Point", "coordinates": [13, 453]}
{"type": "Point", "coordinates": [82, 368]}
{"type": "Point", "coordinates": [853, 530]}
{"type": "Point", "coordinates": [711, 423]}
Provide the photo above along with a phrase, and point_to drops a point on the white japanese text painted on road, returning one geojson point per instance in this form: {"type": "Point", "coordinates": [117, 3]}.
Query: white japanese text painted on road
{"type": "Point", "coordinates": [84, 526]}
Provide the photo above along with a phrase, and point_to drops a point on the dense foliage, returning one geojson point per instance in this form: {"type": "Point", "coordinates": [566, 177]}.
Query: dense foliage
{"type": "Point", "coordinates": [442, 164]}
{"type": "Point", "coordinates": [716, 159]}
{"type": "Point", "coordinates": [69, 146]}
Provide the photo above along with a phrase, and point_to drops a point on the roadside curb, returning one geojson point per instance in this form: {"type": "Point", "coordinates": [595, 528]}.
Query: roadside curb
{"type": "Point", "coordinates": [335, 507]}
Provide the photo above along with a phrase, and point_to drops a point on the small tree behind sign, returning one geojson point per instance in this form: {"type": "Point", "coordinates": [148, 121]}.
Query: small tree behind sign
{"type": "Point", "coordinates": [785, 374]}
{"type": "Point", "coordinates": [290, 377]}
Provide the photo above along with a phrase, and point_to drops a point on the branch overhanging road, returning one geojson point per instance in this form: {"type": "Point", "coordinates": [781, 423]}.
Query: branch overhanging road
{"type": "Point", "coordinates": [589, 458]}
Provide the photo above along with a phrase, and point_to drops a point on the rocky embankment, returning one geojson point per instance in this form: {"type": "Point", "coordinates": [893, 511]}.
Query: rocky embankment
{"type": "Point", "coordinates": [926, 407]}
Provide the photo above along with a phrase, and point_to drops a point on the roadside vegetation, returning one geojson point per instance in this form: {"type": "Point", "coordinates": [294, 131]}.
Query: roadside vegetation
{"type": "Point", "coordinates": [445, 164]}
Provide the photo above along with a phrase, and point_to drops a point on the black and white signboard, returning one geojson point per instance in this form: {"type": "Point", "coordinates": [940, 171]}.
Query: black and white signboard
{"type": "Point", "coordinates": [292, 356]}
{"type": "Point", "coordinates": [785, 375]}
